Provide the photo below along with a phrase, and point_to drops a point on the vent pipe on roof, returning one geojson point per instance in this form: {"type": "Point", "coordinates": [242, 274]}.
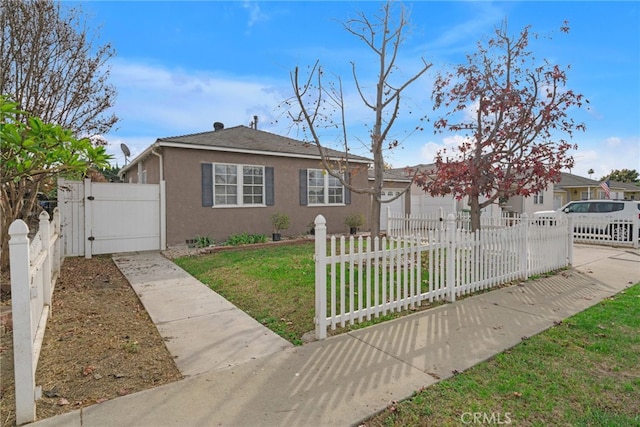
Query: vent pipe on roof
{"type": "Point", "coordinates": [254, 123]}
{"type": "Point", "coordinates": [218, 126]}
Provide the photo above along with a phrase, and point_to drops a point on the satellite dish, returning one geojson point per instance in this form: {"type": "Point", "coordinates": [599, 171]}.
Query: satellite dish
{"type": "Point", "coordinates": [125, 151]}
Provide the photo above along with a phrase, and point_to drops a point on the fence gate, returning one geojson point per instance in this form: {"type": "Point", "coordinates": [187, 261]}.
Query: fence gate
{"type": "Point", "coordinates": [105, 218]}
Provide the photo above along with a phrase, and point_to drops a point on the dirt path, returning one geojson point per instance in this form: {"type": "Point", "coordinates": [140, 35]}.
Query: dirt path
{"type": "Point", "coordinates": [99, 344]}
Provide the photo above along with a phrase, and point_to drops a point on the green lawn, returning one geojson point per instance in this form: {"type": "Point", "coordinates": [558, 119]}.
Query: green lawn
{"type": "Point", "coordinates": [583, 372]}
{"type": "Point", "coordinates": [274, 285]}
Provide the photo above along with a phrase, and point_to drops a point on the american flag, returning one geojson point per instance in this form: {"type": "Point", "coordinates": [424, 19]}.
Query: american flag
{"type": "Point", "coordinates": [607, 191]}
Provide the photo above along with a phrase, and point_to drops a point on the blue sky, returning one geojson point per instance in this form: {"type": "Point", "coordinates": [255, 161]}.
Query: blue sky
{"type": "Point", "coordinates": [180, 66]}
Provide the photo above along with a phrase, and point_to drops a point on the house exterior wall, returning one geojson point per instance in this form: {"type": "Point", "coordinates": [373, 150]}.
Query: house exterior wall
{"type": "Point", "coordinates": [150, 166]}
{"type": "Point", "coordinates": [187, 218]}
{"type": "Point", "coordinates": [530, 204]}
{"type": "Point", "coordinates": [422, 203]}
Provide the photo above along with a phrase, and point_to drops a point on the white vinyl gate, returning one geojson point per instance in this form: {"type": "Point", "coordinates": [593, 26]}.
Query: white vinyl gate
{"type": "Point", "coordinates": [105, 218]}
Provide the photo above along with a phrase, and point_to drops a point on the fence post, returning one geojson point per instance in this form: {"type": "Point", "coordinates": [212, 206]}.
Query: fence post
{"type": "Point", "coordinates": [321, 276]}
{"type": "Point", "coordinates": [569, 240]}
{"type": "Point", "coordinates": [23, 347]}
{"type": "Point", "coordinates": [524, 251]}
{"type": "Point", "coordinates": [635, 231]}
{"type": "Point", "coordinates": [57, 246]}
{"type": "Point", "coordinates": [450, 260]}
{"type": "Point", "coordinates": [45, 233]}
{"type": "Point", "coordinates": [88, 218]}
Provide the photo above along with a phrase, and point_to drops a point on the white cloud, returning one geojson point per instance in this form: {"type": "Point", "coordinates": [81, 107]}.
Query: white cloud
{"type": "Point", "coordinates": [255, 13]}
{"type": "Point", "coordinates": [613, 142]}
{"type": "Point", "coordinates": [605, 155]}
{"type": "Point", "coordinates": [155, 102]}
{"type": "Point", "coordinates": [602, 156]}
{"type": "Point", "coordinates": [164, 101]}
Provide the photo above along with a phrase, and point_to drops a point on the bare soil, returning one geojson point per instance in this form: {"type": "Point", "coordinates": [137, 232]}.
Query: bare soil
{"type": "Point", "coordinates": [99, 344]}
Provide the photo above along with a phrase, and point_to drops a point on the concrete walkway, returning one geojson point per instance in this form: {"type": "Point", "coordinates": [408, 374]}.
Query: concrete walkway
{"type": "Point", "coordinates": [203, 331]}
{"type": "Point", "coordinates": [344, 379]}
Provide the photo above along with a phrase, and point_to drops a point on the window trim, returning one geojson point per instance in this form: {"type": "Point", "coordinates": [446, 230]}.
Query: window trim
{"type": "Point", "coordinates": [538, 198]}
{"type": "Point", "coordinates": [326, 178]}
{"type": "Point", "coordinates": [239, 186]}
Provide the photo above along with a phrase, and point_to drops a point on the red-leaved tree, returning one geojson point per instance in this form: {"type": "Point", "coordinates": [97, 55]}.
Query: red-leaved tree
{"type": "Point", "coordinates": [513, 112]}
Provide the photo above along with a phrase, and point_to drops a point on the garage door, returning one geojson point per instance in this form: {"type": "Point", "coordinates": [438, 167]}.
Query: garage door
{"type": "Point", "coordinates": [396, 206]}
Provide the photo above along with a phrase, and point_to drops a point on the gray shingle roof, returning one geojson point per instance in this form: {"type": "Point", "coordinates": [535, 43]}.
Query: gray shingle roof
{"type": "Point", "coordinates": [404, 174]}
{"type": "Point", "coordinates": [243, 138]}
{"type": "Point", "coordinates": [569, 180]}
{"type": "Point", "coordinates": [626, 186]}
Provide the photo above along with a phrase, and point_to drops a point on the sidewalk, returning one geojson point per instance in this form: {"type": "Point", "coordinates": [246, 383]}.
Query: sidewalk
{"type": "Point", "coordinates": [344, 379]}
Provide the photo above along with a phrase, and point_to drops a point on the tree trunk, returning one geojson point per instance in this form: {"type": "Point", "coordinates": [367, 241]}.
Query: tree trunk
{"type": "Point", "coordinates": [474, 204]}
{"type": "Point", "coordinates": [18, 201]}
{"type": "Point", "coordinates": [378, 181]}
{"type": "Point", "coordinates": [375, 217]}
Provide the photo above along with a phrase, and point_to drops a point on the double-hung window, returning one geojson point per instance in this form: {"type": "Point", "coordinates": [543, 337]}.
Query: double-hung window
{"type": "Point", "coordinates": [238, 185]}
{"type": "Point", "coordinates": [538, 198]}
{"type": "Point", "coordinates": [323, 189]}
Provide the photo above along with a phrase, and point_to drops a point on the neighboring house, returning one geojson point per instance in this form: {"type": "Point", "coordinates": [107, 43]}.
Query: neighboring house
{"type": "Point", "coordinates": [230, 181]}
{"type": "Point", "coordinates": [574, 187]}
{"type": "Point", "coordinates": [421, 202]}
{"type": "Point", "coordinates": [395, 183]}
{"type": "Point", "coordinates": [571, 187]}
{"type": "Point", "coordinates": [541, 201]}
{"type": "Point", "coordinates": [629, 190]}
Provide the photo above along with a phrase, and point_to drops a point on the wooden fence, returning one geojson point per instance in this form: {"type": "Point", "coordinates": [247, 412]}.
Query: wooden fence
{"type": "Point", "coordinates": [35, 266]}
{"type": "Point", "coordinates": [360, 278]}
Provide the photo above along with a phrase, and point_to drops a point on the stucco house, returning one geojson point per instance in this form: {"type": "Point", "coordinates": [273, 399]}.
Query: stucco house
{"type": "Point", "coordinates": [231, 180]}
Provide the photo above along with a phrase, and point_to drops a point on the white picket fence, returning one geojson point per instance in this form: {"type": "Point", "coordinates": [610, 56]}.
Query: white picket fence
{"type": "Point", "coordinates": [608, 231]}
{"type": "Point", "coordinates": [361, 278]}
{"type": "Point", "coordinates": [35, 266]}
{"type": "Point", "coordinates": [406, 225]}
{"type": "Point", "coordinates": [613, 231]}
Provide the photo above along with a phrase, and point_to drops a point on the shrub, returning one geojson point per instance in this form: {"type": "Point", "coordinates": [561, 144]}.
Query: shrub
{"type": "Point", "coordinates": [354, 221]}
{"type": "Point", "coordinates": [203, 241]}
{"type": "Point", "coordinates": [280, 221]}
{"type": "Point", "coordinates": [246, 239]}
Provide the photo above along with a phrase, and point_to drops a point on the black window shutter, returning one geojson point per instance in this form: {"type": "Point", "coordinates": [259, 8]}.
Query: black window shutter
{"type": "Point", "coordinates": [347, 192]}
{"type": "Point", "coordinates": [207, 184]}
{"type": "Point", "coordinates": [303, 188]}
{"type": "Point", "coordinates": [269, 186]}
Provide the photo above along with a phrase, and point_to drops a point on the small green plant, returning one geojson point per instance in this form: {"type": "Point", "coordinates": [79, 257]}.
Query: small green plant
{"type": "Point", "coordinates": [203, 241]}
{"type": "Point", "coordinates": [245, 239]}
{"type": "Point", "coordinates": [131, 346]}
{"type": "Point", "coordinates": [280, 221]}
{"type": "Point", "coordinates": [354, 221]}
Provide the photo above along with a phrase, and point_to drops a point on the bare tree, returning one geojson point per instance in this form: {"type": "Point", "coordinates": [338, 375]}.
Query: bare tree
{"type": "Point", "coordinates": [50, 65]}
{"type": "Point", "coordinates": [320, 102]}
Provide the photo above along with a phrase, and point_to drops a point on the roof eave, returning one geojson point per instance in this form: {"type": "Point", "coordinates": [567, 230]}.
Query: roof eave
{"type": "Point", "coordinates": [165, 143]}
